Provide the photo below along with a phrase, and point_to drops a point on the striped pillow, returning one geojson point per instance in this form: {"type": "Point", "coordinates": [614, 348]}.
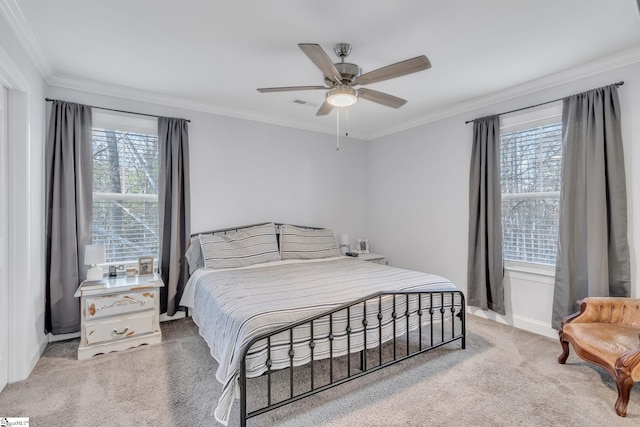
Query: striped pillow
{"type": "Point", "coordinates": [299, 243]}
{"type": "Point", "coordinates": [194, 255]}
{"type": "Point", "coordinates": [240, 248]}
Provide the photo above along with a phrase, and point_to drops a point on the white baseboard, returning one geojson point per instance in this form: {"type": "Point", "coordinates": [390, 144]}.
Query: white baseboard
{"type": "Point", "coordinates": [63, 337]}
{"type": "Point", "coordinates": [32, 360]}
{"type": "Point", "coordinates": [527, 324]}
{"type": "Point", "coordinates": [177, 315]}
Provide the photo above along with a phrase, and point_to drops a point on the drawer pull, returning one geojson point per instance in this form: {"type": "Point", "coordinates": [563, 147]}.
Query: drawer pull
{"type": "Point", "coordinates": [115, 331]}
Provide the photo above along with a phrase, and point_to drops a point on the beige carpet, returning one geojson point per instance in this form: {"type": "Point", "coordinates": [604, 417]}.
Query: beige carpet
{"type": "Point", "coordinates": [505, 377]}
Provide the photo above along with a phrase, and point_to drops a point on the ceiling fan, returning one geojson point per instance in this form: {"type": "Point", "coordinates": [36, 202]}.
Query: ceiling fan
{"type": "Point", "coordinates": [342, 78]}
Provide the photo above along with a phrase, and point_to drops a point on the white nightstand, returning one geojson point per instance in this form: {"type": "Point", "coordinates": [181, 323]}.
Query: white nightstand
{"type": "Point", "coordinates": [377, 258]}
{"type": "Point", "coordinates": [118, 313]}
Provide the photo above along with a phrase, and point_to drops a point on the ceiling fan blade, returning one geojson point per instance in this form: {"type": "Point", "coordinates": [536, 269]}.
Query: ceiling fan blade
{"type": "Point", "coordinates": [289, 88]}
{"type": "Point", "coordinates": [318, 56]}
{"type": "Point", "coordinates": [381, 98]}
{"type": "Point", "coordinates": [392, 71]}
{"type": "Point", "coordinates": [325, 109]}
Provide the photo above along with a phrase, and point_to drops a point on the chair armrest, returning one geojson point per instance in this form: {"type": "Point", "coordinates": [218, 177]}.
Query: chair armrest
{"type": "Point", "coordinates": [630, 359]}
{"type": "Point", "coordinates": [613, 310]}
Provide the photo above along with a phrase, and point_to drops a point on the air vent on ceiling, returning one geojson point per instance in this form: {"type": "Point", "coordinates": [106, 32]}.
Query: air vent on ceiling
{"type": "Point", "coordinates": [303, 102]}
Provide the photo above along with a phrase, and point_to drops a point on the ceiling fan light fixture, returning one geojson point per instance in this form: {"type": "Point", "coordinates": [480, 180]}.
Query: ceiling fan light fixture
{"type": "Point", "coordinates": [342, 96]}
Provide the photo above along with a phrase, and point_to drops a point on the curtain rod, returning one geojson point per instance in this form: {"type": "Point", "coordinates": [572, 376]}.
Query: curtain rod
{"type": "Point", "coordinates": [118, 111]}
{"type": "Point", "coordinates": [533, 106]}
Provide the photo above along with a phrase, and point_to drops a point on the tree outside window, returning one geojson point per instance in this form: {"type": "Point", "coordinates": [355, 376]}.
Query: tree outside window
{"type": "Point", "coordinates": [125, 193]}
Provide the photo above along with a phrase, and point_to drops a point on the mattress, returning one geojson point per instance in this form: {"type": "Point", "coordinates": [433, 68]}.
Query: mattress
{"type": "Point", "coordinates": [233, 306]}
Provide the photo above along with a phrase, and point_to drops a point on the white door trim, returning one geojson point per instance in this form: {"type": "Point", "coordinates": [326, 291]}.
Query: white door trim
{"type": "Point", "coordinates": [4, 228]}
{"type": "Point", "coordinates": [21, 357]}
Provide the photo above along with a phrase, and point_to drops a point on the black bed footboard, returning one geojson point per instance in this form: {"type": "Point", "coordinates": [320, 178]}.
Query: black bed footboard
{"type": "Point", "coordinates": [345, 343]}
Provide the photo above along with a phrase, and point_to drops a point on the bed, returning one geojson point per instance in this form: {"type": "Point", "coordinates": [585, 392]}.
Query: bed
{"type": "Point", "coordinates": [279, 305]}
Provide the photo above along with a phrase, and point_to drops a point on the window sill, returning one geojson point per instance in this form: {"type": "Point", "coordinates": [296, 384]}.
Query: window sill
{"type": "Point", "coordinates": [530, 268]}
{"type": "Point", "coordinates": [126, 264]}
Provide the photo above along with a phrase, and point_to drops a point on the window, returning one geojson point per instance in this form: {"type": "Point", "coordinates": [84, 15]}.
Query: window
{"type": "Point", "coordinates": [125, 185]}
{"type": "Point", "coordinates": [530, 162]}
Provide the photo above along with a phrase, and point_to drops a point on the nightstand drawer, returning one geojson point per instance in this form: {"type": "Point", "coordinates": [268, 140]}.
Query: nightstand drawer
{"type": "Point", "coordinates": [116, 304]}
{"type": "Point", "coordinates": [119, 328]}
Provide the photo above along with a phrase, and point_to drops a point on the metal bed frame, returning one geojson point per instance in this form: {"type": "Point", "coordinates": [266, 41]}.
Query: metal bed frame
{"type": "Point", "coordinates": [427, 316]}
{"type": "Point", "coordinates": [429, 307]}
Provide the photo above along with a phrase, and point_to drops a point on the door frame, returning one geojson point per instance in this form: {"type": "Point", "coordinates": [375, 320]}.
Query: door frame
{"type": "Point", "coordinates": [22, 356]}
{"type": "Point", "coordinates": [4, 228]}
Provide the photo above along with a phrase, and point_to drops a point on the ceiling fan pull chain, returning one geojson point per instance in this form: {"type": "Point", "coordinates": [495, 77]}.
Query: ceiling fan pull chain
{"type": "Point", "coordinates": [337, 129]}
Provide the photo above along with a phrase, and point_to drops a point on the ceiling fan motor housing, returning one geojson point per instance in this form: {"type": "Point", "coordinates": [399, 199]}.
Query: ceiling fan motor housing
{"type": "Point", "coordinates": [348, 71]}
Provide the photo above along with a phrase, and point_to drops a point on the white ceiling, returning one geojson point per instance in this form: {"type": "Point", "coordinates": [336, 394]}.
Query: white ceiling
{"type": "Point", "coordinates": [212, 55]}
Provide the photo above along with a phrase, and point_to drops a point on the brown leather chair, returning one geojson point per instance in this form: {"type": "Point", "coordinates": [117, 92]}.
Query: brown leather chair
{"type": "Point", "coordinates": [606, 332]}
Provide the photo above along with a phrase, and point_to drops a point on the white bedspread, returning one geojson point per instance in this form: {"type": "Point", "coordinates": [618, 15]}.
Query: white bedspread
{"type": "Point", "coordinates": [235, 305]}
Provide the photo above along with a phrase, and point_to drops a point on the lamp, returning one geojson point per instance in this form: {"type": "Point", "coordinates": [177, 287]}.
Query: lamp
{"type": "Point", "coordinates": [342, 96]}
{"type": "Point", "coordinates": [94, 255]}
{"type": "Point", "coordinates": [344, 244]}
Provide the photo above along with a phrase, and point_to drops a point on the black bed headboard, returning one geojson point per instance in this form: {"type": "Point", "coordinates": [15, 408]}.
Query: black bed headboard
{"type": "Point", "coordinates": [277, 224]}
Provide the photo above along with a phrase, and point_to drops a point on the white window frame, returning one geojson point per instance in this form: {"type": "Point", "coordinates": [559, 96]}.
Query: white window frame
{"type": "Point", "coordinates": [106, 119]}
{"type": "Point", "coordinates": [531, 118]}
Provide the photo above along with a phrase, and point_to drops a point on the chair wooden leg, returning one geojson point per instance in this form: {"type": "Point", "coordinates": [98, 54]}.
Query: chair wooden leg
{"type": "Point", "coordinates": [622, 375]}
{"type": "Point", "coordinates": [625, 384]}
{"type": "Point", "coordinates": [565, 351]}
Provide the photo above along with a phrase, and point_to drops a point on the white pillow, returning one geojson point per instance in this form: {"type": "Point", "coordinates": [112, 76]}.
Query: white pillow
{"type": "Point", "coordinates": [240, 248]}
{"type": "Point", "coordinates": [300, 243]}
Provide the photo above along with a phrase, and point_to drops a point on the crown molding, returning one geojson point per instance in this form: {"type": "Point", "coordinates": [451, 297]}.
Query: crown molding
{"type": "Point", "coordinates": [611, 62]}
{"type": "Point", "coordinates": [118, 91]}
{"type": "Point", "coordinates": [552, 80]}
{"type": "Point", "coordinates": [22, 30]}
{"type": "Point", "coordinates": [10, 75]}
{"type": "Point", "coordinates": [24, 33]}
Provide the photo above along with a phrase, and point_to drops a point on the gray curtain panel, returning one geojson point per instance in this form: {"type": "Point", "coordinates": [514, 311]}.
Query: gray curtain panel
{"type": "Point", "coordinates": [593, 253]}
{"type": "Point", "coordinates": [485, 268]}
{"type": "Point", "coordinates": [68, 212]}
{"type": "Point", "coordinates": [174, 203]}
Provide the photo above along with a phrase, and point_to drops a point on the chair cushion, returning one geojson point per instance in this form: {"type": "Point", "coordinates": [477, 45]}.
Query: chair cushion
{"type": "Point", "coordinates": [604, 340]}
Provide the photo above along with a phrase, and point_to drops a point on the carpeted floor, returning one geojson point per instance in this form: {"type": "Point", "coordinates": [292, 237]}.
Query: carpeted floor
{"type": "Point", "coordinates": [505, 377]}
